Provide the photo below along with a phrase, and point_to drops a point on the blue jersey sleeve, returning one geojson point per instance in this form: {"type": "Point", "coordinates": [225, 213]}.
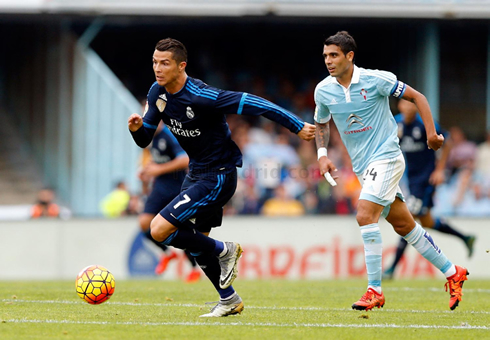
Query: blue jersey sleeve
{"type": "Point", "coordinates": [243, 103]}
{"type": "Point", "coordinates": [151, 117]}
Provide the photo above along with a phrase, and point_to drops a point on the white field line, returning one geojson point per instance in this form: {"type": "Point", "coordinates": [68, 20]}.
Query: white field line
{"type": "Point", "coordinates": [317, 309]}
{"type": "Point", "coordinates": [433, 289]}
{"type": "Point", "coordinates": [247, 324]}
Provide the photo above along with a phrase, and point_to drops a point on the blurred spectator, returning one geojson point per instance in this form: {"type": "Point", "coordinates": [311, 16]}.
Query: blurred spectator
{"type": "Point", "coordinates": [116, 202]}
{"type": "Point", "coordinates": [135, 206]}
{"type": "Point", "coordinates": [482, 166]}
{"type": "Point", "coordinates": [463, 152]}
{"type": "Point", "coordinates": [282, 204]}
{"type": "Point", "coordinates": [301, 108]}
{"type": "Point", "coordinates": [45, 205]}
{"type": "Point", "coordinates": [461, 162]}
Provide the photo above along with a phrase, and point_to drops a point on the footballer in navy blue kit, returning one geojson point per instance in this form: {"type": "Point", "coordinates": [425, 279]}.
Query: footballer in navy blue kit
{"type": "Point", "coordinates": [167, 171]}
{"type": "Point", "coordinates": [195, 114]}
{"type": "Point", "coordinates": [424, 172]}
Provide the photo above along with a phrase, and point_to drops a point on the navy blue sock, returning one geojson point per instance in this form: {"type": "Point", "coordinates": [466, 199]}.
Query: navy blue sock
{"type": "Point", "coordinates": [191, 239]}
{"type": "Point", "coordinates": [147, 234]}
{"type": "Point", "coordinates": [209, 264]}
{"type": "Point", "coordinates": [191, 258]}
{"type": "Point", "coordinates": [400, 249]}
{"type": "Point", "coordinates": [443, 227]}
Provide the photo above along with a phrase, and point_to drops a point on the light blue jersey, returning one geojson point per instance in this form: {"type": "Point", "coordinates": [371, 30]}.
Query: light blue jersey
{"type": "Point", "coordinates": [362, 114]}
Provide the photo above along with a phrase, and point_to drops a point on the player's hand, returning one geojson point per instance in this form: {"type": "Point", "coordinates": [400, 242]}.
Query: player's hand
{"type": "Point", "coordinates": [437, 177]}
{"type": "Point", "coordinates": [307, 132]}
{"type": "Point", "coordinates": [153, 170]}
{"type": "Point", "coordinates": [435, 142]}
{"type": "Point", "coordinates": [135, 122]}
{"type": "Point", "coordinates": [326, 166]}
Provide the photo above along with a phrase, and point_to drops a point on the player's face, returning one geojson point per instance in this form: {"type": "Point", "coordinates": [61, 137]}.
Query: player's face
{"type": "Point", "coordinates": [336, 61]}
{"type": "Point", "coordinates": [166, 69]}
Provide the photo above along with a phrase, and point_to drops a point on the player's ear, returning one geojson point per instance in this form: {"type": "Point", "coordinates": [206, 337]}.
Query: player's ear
{"type": "Point", "coordinates": [182, 66]}
{"type": "Point", "coordinates": [350, 55]}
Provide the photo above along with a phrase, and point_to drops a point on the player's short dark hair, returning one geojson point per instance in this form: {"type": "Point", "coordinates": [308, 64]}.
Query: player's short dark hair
{"type": "Point", "coordinates": [344, 41]}
{"type": "Point", "coordinates": [176, 47]}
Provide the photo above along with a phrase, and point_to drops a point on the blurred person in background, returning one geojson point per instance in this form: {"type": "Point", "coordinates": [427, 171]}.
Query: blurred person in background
{"type": "Point", "coordinates": [483, 158]}
{"type": "Point", "coordinates": [195, 114]}
{"type": "Point", "coordinates": [463, 152]}
{"type": "Point", "coordinates": [482, 166]}
{"type": "Point", "coordinates": [165, 173]}
{"type": "Point", "coordinates": [357, 101]}
{"type": "Point", "coordinates": [424, 173]}
{"type": "Point", "coordinates": [116, 202]}
{"type": "Point", "coordinates": [45, 205]}
{"type": "Point", "coordinates": [282, 204]}
{"type": "Point", "coordinates": [461, 163]}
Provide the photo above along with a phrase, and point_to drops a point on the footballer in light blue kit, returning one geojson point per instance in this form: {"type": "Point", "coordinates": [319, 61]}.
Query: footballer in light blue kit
{"type": "Point", "coordinates": [357, 100]}
{"type": "Point", "coordinates": [424, 172]}
{"type": "Point", "coordinates": [195, 114]}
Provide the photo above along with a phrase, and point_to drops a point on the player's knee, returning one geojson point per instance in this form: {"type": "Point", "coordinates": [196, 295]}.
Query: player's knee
{"type": "Point", "coordinates": [364, 218]}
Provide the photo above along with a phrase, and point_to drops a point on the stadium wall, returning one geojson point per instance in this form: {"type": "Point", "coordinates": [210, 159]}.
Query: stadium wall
{"type": "Point", "coordinates": [292, 248]}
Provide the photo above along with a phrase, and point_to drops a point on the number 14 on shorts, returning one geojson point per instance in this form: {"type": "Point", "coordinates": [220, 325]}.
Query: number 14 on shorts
{"type": "Point", "coordinates": [370, 172]}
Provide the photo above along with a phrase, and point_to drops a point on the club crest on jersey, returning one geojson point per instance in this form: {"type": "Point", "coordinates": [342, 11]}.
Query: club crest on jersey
{"type": "Point", "coordinates": [364, 94]}
{"type": "Point", "coordinates": [161, 102]}
{"type": "Point", "coordinates": [416, 133]}
{"type": "Point", "coordinates": [354, 119]}
{"type": "Point", "coordinates": [189, 113]}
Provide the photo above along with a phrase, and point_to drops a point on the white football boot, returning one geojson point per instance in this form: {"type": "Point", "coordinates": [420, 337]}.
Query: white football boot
{"type": "Point", "coordinates": [232, 305]}
{"type": "Point", "coordinates": [228, 263]}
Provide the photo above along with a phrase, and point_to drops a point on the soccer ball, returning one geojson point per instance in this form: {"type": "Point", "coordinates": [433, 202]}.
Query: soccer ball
{"type": "Point", "coordinates": [95, 284]}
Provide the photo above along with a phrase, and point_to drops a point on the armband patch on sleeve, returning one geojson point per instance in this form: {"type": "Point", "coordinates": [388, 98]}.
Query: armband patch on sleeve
{"type": "Point", "coordinates": [399, 89]}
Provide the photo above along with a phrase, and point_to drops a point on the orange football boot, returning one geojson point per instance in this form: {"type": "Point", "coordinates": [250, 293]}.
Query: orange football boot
{"type": "Point", "coordinates": [162, 265]}
{"type": "Point", "coordinates": [454, 285]}
{"type": "Point", "coordinates": [370, 300]}
{"type": "Point", "coordinates": [193, 276]}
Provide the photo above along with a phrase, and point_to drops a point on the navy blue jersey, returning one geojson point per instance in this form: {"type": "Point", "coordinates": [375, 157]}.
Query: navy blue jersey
{"type": "Point", "coordinates": [165, 148]}
{"type": "Point", "coordinates": [196, 117]}
{"type": "Point", "coordinates": [420, 160]}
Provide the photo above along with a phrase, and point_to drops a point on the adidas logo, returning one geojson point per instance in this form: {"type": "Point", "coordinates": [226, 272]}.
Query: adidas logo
{"type": "Point", "coordinates": [163, 96]}
{"type": "Point", "coordinates": [333, 102]}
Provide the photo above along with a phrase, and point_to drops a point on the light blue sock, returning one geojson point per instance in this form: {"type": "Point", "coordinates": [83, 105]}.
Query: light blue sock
{"type": "Point", "coordinates": [373, 249]}
{"type": "Point", "coordinates": [423, 242]}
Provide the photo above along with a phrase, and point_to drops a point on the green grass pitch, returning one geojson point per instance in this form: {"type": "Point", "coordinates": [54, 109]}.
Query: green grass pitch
{"type": "Point", "coordinates": [276, 309]}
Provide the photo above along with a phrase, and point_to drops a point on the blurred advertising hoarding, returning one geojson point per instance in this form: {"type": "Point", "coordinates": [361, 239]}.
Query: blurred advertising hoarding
{"type": "Point", "coordinates": [320, 247]}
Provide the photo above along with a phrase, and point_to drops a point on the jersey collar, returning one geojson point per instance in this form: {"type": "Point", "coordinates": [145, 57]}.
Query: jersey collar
{"type": "Point", "coordinates": [356, 75]}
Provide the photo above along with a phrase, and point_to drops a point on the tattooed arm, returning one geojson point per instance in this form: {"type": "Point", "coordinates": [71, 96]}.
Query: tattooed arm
{"type": "Point", "coordinates": [322, 136]}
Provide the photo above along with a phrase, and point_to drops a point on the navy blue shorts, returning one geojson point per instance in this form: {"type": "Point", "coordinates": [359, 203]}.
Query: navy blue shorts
{"type": "Point", "coordinates": [420, 200]}
{"type": "Point", "coordinates": [200, 203]}
{"type": "Point", "coordinates": [162, 193]}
